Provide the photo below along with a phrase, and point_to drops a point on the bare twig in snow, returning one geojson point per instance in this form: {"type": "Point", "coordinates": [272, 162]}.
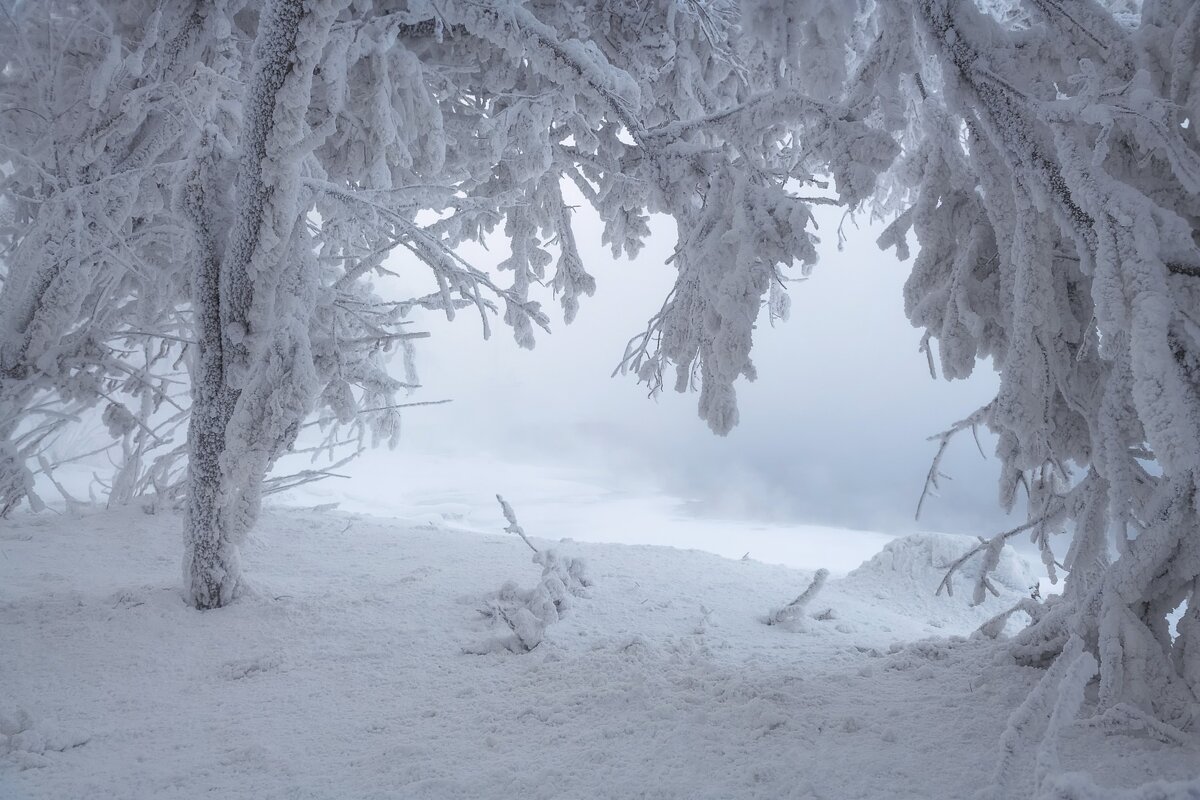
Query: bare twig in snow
{"type": "Point", "coordinates": [513, 526]}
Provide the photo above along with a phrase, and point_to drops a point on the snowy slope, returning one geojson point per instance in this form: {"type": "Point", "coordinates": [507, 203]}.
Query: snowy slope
{"type": "Point", "coordinates": [348, 674]}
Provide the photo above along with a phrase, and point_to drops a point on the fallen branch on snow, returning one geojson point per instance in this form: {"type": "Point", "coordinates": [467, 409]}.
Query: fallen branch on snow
{"type": "Point", "coordinates": [795, 609]}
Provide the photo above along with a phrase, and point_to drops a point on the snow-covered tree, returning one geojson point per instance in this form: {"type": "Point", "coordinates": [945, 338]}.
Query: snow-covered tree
{"type": "Point", "coordinates": [1051, 174]}
{"type": "Point", "coordinates": [297, 144]}
{"type": "Point", "coordinates": [359, 116]}
{"type": "Point", "coordinates": [254, 163]}
{"type": "Point", "coordinates": [111, 112]}
{"type": "Point", "coordinates": [1049, 168]}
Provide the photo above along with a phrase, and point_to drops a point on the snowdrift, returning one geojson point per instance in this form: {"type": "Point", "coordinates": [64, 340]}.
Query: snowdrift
{"type": "Point", "coordinates": [353, 671]}
{"type": "Point", "coordinates": [904, 577]}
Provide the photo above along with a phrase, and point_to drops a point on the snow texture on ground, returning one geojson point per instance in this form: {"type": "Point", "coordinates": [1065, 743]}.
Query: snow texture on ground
{"type": "Point", "coordinates": [349, 674]}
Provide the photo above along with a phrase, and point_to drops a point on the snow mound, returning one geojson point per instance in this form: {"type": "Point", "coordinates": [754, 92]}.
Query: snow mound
{"type": "Point", "coordinates": [26, 743]}
{"type": "Point", "coordinates": [923, 558]}
{"type": "Point", "coordinates": [907, 572]}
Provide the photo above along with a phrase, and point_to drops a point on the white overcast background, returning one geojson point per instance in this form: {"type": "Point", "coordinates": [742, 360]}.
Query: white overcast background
{"type": "Point", "coordinates": [833, 432]}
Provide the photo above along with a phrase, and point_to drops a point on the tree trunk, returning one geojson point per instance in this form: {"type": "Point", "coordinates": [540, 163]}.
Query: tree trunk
{"type": "Point", "coordinates": [219, 512]}
{"type": "Point", "coordinates": [212, 573]}
{"type": "Point", "coordinates": [15, 478]}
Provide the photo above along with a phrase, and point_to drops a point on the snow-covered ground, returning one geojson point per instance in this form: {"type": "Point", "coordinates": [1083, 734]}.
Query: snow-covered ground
{"type": "Point", "coordinates": [350, 671]}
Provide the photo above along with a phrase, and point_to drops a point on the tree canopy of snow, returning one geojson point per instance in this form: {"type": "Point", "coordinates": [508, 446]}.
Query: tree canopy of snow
{"type": "Point", "coordinates": [232, 172]}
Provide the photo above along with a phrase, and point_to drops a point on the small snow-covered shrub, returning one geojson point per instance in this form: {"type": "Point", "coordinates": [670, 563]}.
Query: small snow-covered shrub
{"type": "Point", "coordinates": [527, 612]}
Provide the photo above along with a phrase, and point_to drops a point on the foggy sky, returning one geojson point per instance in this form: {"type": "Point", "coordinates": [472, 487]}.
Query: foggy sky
{"type": "Point", "coordinates": [834, 431]}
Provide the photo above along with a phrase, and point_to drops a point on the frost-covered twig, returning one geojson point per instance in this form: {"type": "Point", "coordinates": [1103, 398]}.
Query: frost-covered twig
{"type": "Point", "coordinates": [283, 483]}
{"type": "Point", "coordinates": [795, 609]}
{"type": "Point", "coordinates": [943, 439]}
{"type": "Point", "coordinates": [513, 526]}
{"type": "Point", "coordinates": [1125, 718]}
{"type": "Point", "coordinates": [994, 626]}
{"type": "Point", "coordinates": [74, 505]}
{"type": "Point", "coordinates": [991, 547]}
